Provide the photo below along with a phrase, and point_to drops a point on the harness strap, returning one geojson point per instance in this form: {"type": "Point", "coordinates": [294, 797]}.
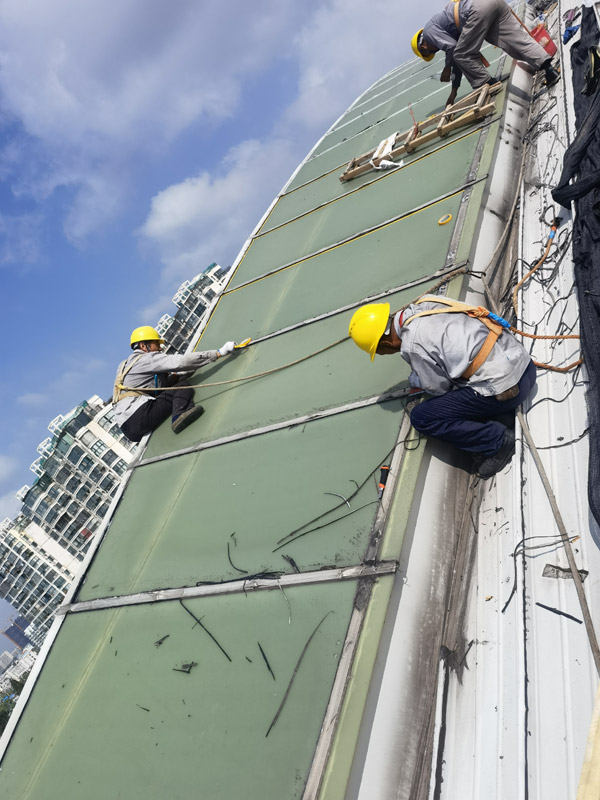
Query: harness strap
{"type": "Point", "coordinates": [477, 312]}
{"type": "Point", "coordinates": [456, 15]}
{"type": "Point", "coordinates": [118, 393]}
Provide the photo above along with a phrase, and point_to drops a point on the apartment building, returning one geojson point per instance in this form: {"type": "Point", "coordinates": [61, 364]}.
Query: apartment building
{"type": "Point", "coordinates": [77, 473]}
{"type": "Point", "coordinates": [192, 299]}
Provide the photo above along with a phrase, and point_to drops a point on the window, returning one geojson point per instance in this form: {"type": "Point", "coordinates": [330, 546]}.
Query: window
{"type": "Point", "coordinates": [71, 531]}
{"type": "Point", "coordinates": [109, 457]}
{"type": "Point", "coordinates": [98, 447]}
{"type": "Point", "coordinates": [62, 475]}
{"type": "Point", "coordinates": [72, 484]}
{"type": "Point", "coordinates": [79, 422]}
{"type": "Point", "coordinates": [43, 481]}
{"type": "Point", "coordinates": [62, 523]}
{"type": "Point", "coordinates": [102, 510]}
{"type": "Point", "coordinates": [86, 464]}
{"type": "Point", "coordinates": [108, 483]}
{"type": "Point", "coordinates": [51, 466]}
{"type": "Point", "coordinates": [120, 467]}
{"type": "Point", "coordinates": [64, 443]}
{"type": "Point", "coordinates": [94, 500]}
{"type": "Point", "coordinates": [51, 516]}
{"type": "Point", "coordinates": [96, 474]}
{"type": "Point", "coordinates": [42, 508]}
{"type": "Point", "coordinates": [87, 438]}
{"type": "Point", "coordinates": [73, 508]}
{"type": "Point", "coordinates": [75, 455]}
{"type": "Point", "coordinates": [83, 492]}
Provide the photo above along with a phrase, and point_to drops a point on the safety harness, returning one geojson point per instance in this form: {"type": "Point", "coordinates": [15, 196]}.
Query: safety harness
{"type": "Point", "coordinates": [120, 391]}
{"type": "Point", "coordinates": [492, 322]}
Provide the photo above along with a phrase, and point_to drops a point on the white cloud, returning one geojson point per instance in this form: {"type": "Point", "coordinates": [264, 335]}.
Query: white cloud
{"type": "Point", "coordinates": [151, 313]}
{"type": "Point", "coordinates": [9, 505]}
{"type": "Point", "coordinates": [208, 217]}
{"type": "Point", "coordinates": [32, 399]}
{"type": "Point", "coordinates": [79, 369]}
{"type": "Point", "coordinates": [344, 48]}
{"type": "Point", "coordinates": [90, 86]}
{"type": "Point", "coordinates": [8, 467]}
{"type": "Point", "coordinates": [19, 238]}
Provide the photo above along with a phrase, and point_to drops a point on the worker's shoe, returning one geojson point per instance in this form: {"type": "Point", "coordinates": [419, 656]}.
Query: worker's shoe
{"type": "Point", "coordinates": [552, 75]}
{"type": "Point", "coordinates": [181, 422]}
{"type": "Point", "coordinates": [490, 466]}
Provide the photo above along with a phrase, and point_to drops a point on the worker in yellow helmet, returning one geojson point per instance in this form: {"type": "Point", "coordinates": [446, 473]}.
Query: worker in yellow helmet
{"type": "Point", "coordinates": [460, 31]}
{"type": "Point", "coordinates": [476, 372]}
{"type": "Point", "coordinates": [138, 407]}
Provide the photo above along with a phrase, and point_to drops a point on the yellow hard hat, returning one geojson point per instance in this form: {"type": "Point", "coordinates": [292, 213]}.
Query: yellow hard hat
{"type": "Point", "coordinates": [145, 334]}
{"type": "Point", "coordinates": [414, 43]}
{"type": "Point", "coordinates": [368, 325]}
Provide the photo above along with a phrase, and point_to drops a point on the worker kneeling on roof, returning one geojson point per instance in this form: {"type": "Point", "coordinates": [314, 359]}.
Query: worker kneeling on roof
{"type": "Point", "coordinates": [460, 30]}
{"type": "Point", "coordinates": [140, 401]}
{"type": "Point", "coordinates": [474, 368]}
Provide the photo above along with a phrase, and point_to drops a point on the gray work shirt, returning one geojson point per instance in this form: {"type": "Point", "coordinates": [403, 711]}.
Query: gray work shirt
{"type": "Point", "coordinates": [441, 29]}
{"type": "Point", "coordinates": [141, 375]}
{"type": "Point", "coordinates": [439, 348]}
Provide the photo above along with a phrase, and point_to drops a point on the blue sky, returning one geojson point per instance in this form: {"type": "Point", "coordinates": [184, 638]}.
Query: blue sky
{"type": "Point", "coordinates": [139, 142]}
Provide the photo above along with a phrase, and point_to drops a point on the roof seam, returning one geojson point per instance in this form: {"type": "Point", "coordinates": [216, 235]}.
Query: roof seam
{"type": "Point", "coordinates": [232, 587]}
{"type": "Point", "coordinates": [360, 234]}
{"type": "Point", "coordinates": [387, 174]}
{"type": "Point", "coordinates": [277, 426]}
{"type": "Point", "coordinates": [447, 272]}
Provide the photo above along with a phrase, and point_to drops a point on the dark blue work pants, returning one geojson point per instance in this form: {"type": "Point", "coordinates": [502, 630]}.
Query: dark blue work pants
{"type": "Point", "coordinates": [468, 420]}
{"type": "Point", "coordinates": [169, 403]}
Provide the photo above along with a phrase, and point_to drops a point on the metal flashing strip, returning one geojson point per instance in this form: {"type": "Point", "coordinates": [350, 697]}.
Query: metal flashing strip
{"type": "Point", "coordinates": [353, 637]}
{"type": "Point", "coordinates": [277, 426]}
{"type": "Point", "coordinates": [244, 585]}
{"type": "Point", "coordinates": [372, 298]}
{"type": "Point", "coordinates": [360, 234]}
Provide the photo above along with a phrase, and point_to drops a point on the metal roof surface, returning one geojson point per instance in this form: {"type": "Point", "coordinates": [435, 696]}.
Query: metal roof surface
{"type": "Point", "coordinates": [216, 647]}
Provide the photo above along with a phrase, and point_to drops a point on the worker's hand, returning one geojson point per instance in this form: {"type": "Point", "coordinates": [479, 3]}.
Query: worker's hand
{"type": "Point", "coordinates": [451, 97]}
{"type": "Point", "coordinates": [446, 73]}
{"type": "Point", "coordinates": [226, 349]}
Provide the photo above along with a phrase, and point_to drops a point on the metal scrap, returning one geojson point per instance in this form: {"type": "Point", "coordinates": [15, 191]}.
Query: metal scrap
{"type": "Point", "coordinates": [205, 629]}
{"type": "Point", "coordinates": [294, 673]}
{"type": "Point", "coordinates": [187, 668]}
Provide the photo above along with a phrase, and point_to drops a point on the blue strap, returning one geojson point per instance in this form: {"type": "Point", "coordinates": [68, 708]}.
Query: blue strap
{"type": "Point", "coordinates": [499, 320]}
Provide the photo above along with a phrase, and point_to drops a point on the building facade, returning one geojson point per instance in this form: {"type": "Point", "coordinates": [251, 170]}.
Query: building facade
{"type": "Point", "coordinates": [6, 659]}
{"type": "Point", "coordinates": [192, 299]}
{"type": "Point", "coordinates": [77, 473]}
{"type": "Point", "coordinates": [18, 667]}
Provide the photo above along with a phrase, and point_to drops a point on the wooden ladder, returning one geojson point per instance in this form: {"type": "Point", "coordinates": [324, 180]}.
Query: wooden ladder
{"type": "Point", "coordinates": [468, 110]}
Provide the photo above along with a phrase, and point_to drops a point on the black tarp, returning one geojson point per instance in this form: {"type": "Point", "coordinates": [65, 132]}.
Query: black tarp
{"type": "Point", "coordinates": [582, 162]}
